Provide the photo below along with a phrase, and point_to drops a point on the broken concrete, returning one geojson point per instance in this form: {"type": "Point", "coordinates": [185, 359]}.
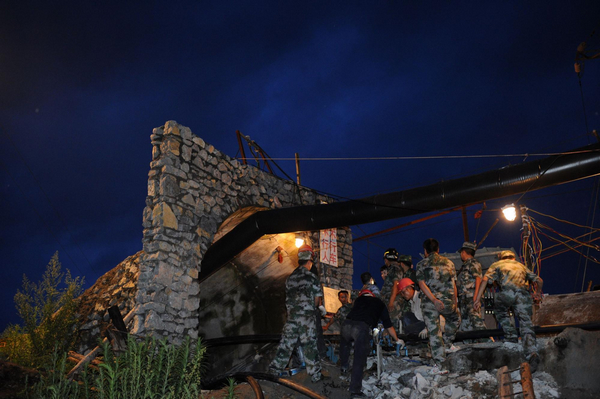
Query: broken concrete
{"type": "Point", "coordinates": [573, 359]}
{"type": "Point", "coordinates": [578, 308]}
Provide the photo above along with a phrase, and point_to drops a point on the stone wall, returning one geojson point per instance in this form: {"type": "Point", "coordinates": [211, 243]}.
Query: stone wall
{"type": "Point", "coordinates": [118, 287]}
{"type": "Point", "coordinates": [192, 189]}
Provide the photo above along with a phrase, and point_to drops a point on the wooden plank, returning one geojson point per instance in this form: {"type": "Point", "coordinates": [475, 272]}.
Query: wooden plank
{"type": "Point", "coordinates": [90, 356]}
{"type": "Point", "coordinates": [505, 386]}
{"type": "Point", "coordinates": [118, 335]}
{"type": "Point", "coordinates": [527, 381]}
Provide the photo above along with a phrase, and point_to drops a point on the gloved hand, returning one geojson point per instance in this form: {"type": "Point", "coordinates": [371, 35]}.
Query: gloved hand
{"type": "Point", "coordinates": [323, 311]}
{"type": "Point", "coordinates": [401, 343]}
{"type": "Point", "coordinates": [423, 334]}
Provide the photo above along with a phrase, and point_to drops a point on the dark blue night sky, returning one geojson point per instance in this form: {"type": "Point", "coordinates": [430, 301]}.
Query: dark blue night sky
{"type": "Point", "coordinates": [82, 85]}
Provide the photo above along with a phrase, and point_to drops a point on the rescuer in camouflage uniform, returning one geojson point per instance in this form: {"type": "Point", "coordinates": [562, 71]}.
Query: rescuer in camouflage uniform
{"type": "Point", "coordinates": [513, 278]}
{"type": "Point", "coordinates": [436, 277]}
{"type": "Point", "coordinates": [468, 282]}
{"type": "Point", "coordinates": [405, 262]}
{"type": "Point", "coordinates": [394, 274]}
{"type": "Point", "coordinates": [303, 295]}
{"type": "Point", "coordinates": [369, 284]}
{"type": "Point", "coordinates": [342, 312]}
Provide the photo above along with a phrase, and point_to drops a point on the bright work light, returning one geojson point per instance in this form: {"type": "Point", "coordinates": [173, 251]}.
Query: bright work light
{"type": "Point", "coordinates": [510, 212]}
{"type": "Point", "coordinates": [299, 242]}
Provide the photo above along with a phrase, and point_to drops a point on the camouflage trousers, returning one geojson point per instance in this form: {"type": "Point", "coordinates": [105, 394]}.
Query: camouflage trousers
{"type": "Point", "coordinates": [431, 318]}
{"type": "Point", "coordinates": [521, 304]}
{"type": "Point", "coordinates": [470, 318]}
{"type": "Point", "coordinates": [298, 331]}
{"type": "Point", "coordinates": [397, 311]}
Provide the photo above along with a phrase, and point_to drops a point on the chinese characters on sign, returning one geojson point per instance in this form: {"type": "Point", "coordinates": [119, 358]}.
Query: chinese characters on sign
{"type": "Point", "coordinates": [328, 244]}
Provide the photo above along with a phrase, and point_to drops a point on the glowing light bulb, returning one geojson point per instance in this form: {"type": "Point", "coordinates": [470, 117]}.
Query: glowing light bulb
{"type": "Point", "coordinates": [510, 212]}
{"type": "Point", "coordinates": [299, 242]}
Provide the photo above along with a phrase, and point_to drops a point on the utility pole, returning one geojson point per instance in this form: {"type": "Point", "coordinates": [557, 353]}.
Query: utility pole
{"type": "Point", "coordinates": [526, 234]}
{"type": "Point", "coordinates": [297, 169]}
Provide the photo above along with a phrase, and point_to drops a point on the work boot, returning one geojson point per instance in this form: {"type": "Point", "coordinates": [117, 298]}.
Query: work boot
{"type": "Point", "coordinates": [534, 361]}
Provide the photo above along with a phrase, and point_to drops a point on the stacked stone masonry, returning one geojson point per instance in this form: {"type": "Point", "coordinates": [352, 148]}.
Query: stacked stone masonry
{"type": "Point", "coordinates": [192, 189]}
{"type": "Point", "coordinates": [118, 288]}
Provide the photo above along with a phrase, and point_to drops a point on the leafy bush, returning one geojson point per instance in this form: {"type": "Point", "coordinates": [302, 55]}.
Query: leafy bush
{"type": "Point", "coordinates": [48, 313]}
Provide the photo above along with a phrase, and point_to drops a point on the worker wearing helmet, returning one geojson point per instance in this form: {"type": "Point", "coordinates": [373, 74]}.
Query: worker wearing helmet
{"type": "Point", "coordinates": [436, 277]}
{"type": "Point", "coordinates": [411, 321]}
{"type": "Point", "coordinates": [513, 278]}
{"type": "Point", "coordinates": [406, 265]}
{"type": "Point", "coordinates": [402, 306]}
{"type": "Point", "coordinates": [394, 274]}
{"type": "Point", "coordinates": [468, 282]}
{"type": "Point", "coordinates": [303, 295]}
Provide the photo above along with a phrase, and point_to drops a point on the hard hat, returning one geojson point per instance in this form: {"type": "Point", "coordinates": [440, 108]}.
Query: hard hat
{"type": "Point", "coordinates": [468, 245]}
{"type": "Point", "coordinates": [506, 255]}
{"type": "Point", "coordinates": [405, 282]}
{"type": "Point", "coordinates": [305, 252]}
{"type": "Point", "coordinates": [405, 259]}
{"type": "Point", "coordinates": [390, 254]}
{"type": "Point", "coordinates": [365, 292]}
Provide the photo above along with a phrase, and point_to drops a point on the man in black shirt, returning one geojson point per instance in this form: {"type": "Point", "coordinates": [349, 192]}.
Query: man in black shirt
{"type": "Point", "coordinates": [364, 316]}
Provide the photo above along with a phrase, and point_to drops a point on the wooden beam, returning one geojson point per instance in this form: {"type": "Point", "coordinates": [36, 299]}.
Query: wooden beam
{"type": "Point", "coordinates": [505, 386]}
{"type": "Point", "coordinates": [92, 355]}
{"type": "Point", "coordinates": [239, 139]}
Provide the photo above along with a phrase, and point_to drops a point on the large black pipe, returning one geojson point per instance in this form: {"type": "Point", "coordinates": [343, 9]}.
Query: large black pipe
{"type": "Point", "coordinates": [557, 169]}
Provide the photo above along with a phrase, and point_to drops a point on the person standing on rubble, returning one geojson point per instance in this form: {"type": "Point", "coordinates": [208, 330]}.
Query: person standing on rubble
{"type": "Point", "coordinates": [406, 265]}
{"type": "Point", "coordinates": [303, 296]}
{"type": "Point", "coordinates": [342, 312]}
{"type": "Point", "coordinates": [393, 275]}
{"type": "Point", "coordinates": [513, 278]}
{"type": "Point", "coordinates": [362, 319]}
{"type": "Point", "coordinates": [319, 313]}
{"type": "Point", "coordinates": [468, 282]}
{"type": "Point", "coordinates": [436, 277]}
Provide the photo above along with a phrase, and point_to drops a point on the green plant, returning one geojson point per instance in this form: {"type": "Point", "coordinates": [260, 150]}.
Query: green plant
{"type": "Point", "coordinates": [151, 369]}
{"type": "Point", "coordinates": [231, 386]}
{"type": "Point", "coordinates": [48, 311]}
{"type": "Point", "coordinates": [53, 383]}
{"type": "Point", "coordinates": [148, 369]}
{"type": "Point", "coordinates": [17, 348]}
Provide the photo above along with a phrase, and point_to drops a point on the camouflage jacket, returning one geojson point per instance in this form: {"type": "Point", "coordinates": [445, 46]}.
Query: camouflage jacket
{"type": "Point", "coordinates": [510, 275]}
{"type": "Point", "coordinates": [373, 288]}
{"type": "Point", "coordinates": [341, 314]}
{"type": "Point", "coordinates": [394, 274]}
{"type": "Point", "coordinates": [301, 289]}
{"type": "Point", "coordinates": [465, 279]}
{"type": "Point", "coordinates": [440, 276]}
{"type": "Point", "coordinates": [411, 274]}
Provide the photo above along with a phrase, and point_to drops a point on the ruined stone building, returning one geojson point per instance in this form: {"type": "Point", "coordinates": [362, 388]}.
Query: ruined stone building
{"type": "Point", "coordinates": [196, 194]}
